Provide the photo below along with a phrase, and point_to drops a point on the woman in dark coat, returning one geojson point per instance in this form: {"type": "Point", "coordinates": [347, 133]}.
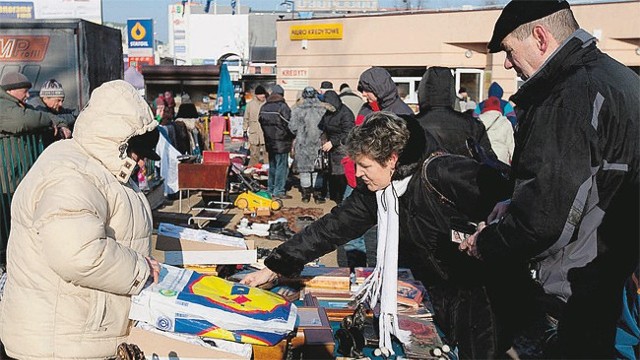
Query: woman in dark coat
{"type": "Point", "coordinates": [415, 203]}
{"type": "Point", "coordinates": [336, 124]}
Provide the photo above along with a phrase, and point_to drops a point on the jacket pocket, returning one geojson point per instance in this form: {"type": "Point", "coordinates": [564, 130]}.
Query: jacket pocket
{"type": "Point", "coordinates": [97, 309]}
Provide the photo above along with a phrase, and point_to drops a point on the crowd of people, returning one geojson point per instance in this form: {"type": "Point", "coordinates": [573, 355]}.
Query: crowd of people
{"type": "Point", "coordinates": [564, 208]}
{"type": "Point", "coordinates": [544, 186]}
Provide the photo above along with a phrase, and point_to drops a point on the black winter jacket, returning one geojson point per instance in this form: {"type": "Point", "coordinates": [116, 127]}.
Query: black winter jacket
{"type": "Point", "coordinates": [454, 280]}
{"type": "Point", "coordinates": [274, 119]}
{"type": "Point", "coordinates": [575, 206]}
{"type": "Point", "coordinates": [436, 96]}
{"type": "Point", "coordinates": [336, 124]}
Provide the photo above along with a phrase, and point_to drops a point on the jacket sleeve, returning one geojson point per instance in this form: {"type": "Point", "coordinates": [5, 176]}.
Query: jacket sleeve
{"type": "Point", "coordinates": [552, 173]}
{"type": "Point", "coordinates": [345, 222]}
{"type": "Point", "coordinates": [70, 221]}
{"type": "Point", "coordinates": [347, 122]}
{"type": "Point", "coordinates": [510, 113]}
{"type": "Point", "coordinates": [478, 110]}
{"type": "Point", "coordinates": [285, 112]}
{"type": "Point", "coordinates": [295, 122]}
{"type": "Point", "coordinates": [23, 119]}
{"type": "Point", "coordinates": [247, 116]}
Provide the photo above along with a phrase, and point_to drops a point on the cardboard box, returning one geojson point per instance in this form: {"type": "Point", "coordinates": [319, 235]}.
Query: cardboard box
{"type": "Point", "coordinates": [157, 346]}
{"type": "Point", "coordinates": [174, 251]}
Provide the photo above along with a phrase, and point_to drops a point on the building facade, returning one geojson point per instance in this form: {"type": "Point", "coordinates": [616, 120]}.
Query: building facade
{"type": "Point", "coordinates": [340, 48]}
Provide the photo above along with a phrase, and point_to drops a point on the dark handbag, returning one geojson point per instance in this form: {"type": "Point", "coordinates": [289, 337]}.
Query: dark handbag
{"type": "Point", "coordinates": [321, 164]}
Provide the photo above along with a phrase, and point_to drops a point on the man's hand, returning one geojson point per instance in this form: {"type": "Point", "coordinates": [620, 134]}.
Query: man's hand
{"type": "Point", "coordinates": [154, 268]}
{"type": "Point", "coordinates": [66, 133]}
{"type": "Point", "coordinates": [259, 277]}
{"type": "Point", "coordinates": [469, 244]}
{"type": "Point", "coordinates": [498, 211]}
{"type": "Point", "coordinates": [327, 146]}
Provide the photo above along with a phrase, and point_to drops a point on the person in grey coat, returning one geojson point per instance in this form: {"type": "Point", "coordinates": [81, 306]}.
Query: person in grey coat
{"type": "Point", "coordinates": [305, 118]}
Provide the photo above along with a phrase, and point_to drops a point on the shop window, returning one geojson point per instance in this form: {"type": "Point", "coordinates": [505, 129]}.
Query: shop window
{"type": "Point", "coordinates": [408, 90]}
{"type": "Point", "coordinates": [472, 80]}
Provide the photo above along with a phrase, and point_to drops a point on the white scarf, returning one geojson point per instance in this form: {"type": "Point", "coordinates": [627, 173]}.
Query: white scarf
{"type": "Point", "coordinates": [382, 284]}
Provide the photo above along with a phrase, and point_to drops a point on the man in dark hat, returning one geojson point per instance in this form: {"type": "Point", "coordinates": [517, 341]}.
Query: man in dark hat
{"type": "Point", "coordinates": [18, 117]}
{"type": "Point", "coordinates": [324, 87]}
{"type": "Point", "coordinates": [274, 119]}
{"type": "Point", "coordinates": [575, 208]}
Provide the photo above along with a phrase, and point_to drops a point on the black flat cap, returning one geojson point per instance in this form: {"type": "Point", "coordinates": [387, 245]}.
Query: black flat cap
{"type": "Point", "coordinates": [518, 12]}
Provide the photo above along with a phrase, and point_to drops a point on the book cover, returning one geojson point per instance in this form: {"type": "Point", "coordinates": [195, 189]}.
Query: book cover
{"type": "Point", "coordinates": [424, 337]}
{"type": "Point", "coordinates": [336, 306]}
{"type": "Point", "coordinates": [322, 277]}
{"type": "Point", "coordinates": [361, 273]}
{"type": "Point", "coordinates": [410, 293]}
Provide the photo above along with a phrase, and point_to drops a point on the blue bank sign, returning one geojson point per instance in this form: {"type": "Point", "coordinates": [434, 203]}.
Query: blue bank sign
{"type": "Point", "coordinates": [140, 33]}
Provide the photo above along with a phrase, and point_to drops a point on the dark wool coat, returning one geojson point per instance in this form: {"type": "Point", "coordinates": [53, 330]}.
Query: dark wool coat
{"type": "Point", "coordinates": [436, 96]}
{"type": "Point", "coordinates": [274, 119]}
{"type": "Point", "coordinates": [453, 279]}
{"type": "Point", "coordinates": [305, 118]}
{"type": "Point", "coordinates": [336, 124]}
{"type": "Point", "coordinates": [575, 206]}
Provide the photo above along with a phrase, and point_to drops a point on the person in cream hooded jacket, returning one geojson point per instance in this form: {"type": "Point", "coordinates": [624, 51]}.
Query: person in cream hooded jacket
{"type": "Point", "coordinates": [80, 237]}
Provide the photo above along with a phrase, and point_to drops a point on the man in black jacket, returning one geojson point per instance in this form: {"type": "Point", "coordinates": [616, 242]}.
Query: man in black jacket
{"type": "Point", "coordinates": [274, 120]}
{"type": "Point", "coordinates": [575, 208]}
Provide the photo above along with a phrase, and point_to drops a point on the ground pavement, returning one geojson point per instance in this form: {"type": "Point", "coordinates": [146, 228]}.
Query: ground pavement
{"type": "Point", "coordinates": [233, 215]}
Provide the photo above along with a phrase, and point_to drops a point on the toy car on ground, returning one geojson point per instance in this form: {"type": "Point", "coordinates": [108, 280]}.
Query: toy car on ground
{"type": "Point", "coordinates": [253, 200]}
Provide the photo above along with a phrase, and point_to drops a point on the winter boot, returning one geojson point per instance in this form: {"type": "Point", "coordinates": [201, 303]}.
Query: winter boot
{"type": "Point", "coordinates": [318, 197]}
{"type": "Point", "coordinates": [306, 194]}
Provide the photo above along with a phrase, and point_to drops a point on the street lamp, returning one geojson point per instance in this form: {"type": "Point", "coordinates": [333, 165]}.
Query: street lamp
{"type": "Point", "coordinates": [291, 5]}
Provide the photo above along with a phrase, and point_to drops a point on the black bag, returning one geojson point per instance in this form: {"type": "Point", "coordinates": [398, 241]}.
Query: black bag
{"type": "Point", "coordinates": [321, 164]}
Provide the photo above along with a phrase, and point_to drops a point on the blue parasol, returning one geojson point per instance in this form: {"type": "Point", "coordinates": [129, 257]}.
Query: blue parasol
{"type": "Point", "coordinates": [226, 100]}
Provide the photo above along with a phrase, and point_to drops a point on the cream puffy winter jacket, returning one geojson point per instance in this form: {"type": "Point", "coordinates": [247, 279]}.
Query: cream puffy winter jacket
{"type": "Point", "coordinates": [76, 252]}
{"type": "Point", "coordinates": [500, 133]}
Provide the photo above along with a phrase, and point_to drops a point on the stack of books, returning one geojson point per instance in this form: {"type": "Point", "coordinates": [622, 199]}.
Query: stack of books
{"type": "Point", "coordinates": [324, 279]}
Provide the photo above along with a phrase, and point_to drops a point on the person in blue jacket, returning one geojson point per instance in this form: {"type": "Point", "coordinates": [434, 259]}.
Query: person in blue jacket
{"type": "Point", "coordinates": [507, 109]}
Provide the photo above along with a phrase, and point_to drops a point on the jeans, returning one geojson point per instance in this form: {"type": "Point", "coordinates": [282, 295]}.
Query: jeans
{"type": "Point", "coordinates": [278, 173]}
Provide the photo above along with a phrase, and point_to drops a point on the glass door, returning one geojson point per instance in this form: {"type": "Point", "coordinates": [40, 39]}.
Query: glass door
{"type": "Point", "coordinates": [472, 80]}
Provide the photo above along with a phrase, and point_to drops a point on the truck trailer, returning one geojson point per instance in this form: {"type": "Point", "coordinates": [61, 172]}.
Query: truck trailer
{"type": "Point", "coordinates": [80, 54]}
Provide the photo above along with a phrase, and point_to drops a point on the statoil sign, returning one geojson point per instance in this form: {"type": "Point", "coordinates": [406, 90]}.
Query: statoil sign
{"type": "Point", "coordinates": [140, 33]}
{"type": "Point", "coordinates": [316, 32]}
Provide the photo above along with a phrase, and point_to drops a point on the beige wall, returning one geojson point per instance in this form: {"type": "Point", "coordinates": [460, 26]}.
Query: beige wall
{"type": "Point", "coordinates": [434, 38]}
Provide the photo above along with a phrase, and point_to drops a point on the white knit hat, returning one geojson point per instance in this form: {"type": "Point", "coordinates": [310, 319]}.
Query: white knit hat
{"type": "Point", "coordinates": [52, 88]}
